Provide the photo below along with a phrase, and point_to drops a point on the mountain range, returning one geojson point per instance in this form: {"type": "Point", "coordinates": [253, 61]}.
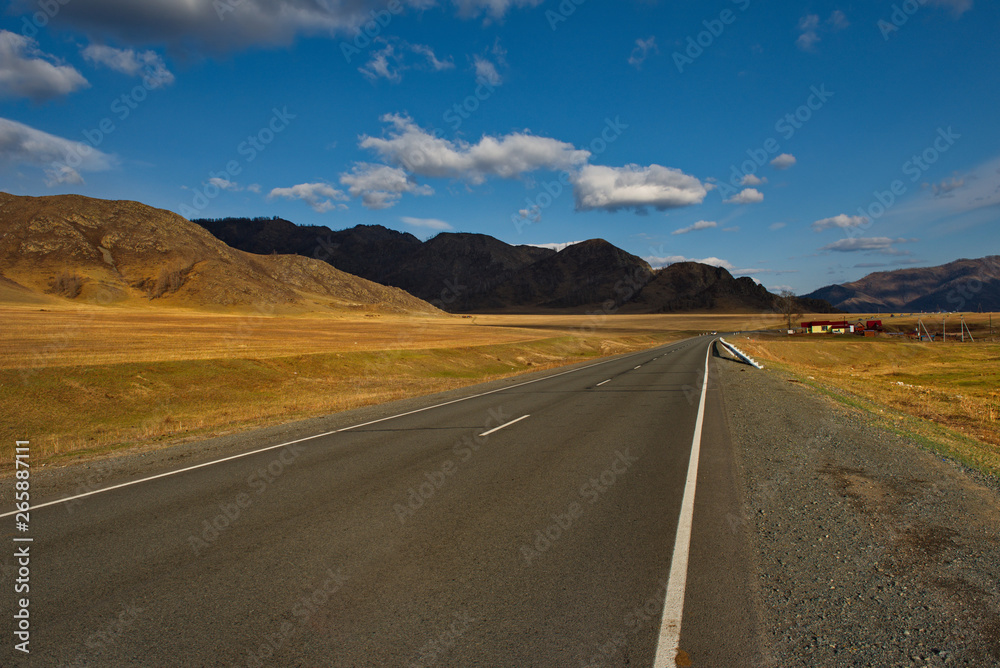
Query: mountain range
{"type": "Point", "coordinates": [71, 247]}
{"type": "Point", "coordinates": [462, 272]}
{"type": "Point", "coordinates": [962, 285]}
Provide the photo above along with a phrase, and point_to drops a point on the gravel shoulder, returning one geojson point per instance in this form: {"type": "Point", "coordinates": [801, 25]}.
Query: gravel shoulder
{"type": "Point", "coordinates": [869, 550]}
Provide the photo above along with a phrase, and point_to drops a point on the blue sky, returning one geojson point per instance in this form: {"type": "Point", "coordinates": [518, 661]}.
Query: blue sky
{"type": "Point", "coordinates": [801, 143]}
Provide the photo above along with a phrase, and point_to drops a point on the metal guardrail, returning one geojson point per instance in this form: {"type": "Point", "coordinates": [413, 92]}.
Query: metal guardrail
{"type": "Point", "coordinates": [739, 353]}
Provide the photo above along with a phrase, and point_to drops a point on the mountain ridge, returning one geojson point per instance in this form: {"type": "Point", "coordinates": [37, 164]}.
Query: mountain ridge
{"type": "Point", "coordinates": [466, 272]}
{"type": "Point", "coordinates": [961, 285]}
{"type": "Point", "coordinates": [121, 251]}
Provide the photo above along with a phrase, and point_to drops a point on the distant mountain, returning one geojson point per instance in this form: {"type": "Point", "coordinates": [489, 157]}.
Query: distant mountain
{"type": "Point", "coordinates": [461, 271]}
{"type": "Point", "coordinates": [369, 251]}
{"type": "Point", "coordinates": [74, 247]}
{"type": "Point", "coordinates": [585, 274]}
{"type": "Point", "coordinates": [474, 272]}
{"type": "Point", "coordinates": [453, 270]}
{"type": "Point", "coordinates": [962, 285]}
{"type": "Point", "coordinates": [692, 286]}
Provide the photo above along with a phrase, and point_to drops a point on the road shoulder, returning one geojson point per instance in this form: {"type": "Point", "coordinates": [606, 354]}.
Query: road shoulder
{"type": "Point", "coordinates": [868, 550]}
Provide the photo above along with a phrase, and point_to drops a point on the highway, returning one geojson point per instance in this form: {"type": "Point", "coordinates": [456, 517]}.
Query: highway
{"type": "Point", "coordinates": [532, 525]}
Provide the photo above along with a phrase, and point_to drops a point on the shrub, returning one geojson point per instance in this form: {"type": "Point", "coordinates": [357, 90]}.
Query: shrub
{"type": "Point", "coordinates": [67, 285]}
{"type": "Point", "coordinates": [169, 280]}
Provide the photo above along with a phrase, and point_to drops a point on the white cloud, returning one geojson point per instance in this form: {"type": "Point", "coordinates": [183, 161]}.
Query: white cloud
{"type": "Point", "coordinates": [746, 196]}
{"type": "Point", "coordinates": [394, 58]}
{"type": "Point", "coordinates": [62, 159]}
{"type": "Point", "coordinates": [980, 188]}
{"type": "Point", "coordinates": [432, 60]}
{"type": "Point", "coordinates": [557, 246]}
{"type": "Point", "coordinates": [945, 187]}
{"type": "Point", "coordinates": [219, 25]}
{"type": "Point", "coordinates": [809, 36]}
{"type": "Point", "coordinates": [487, 66]}
{"type": "Point", "coordinates": [532, 214]}
{"type": "Point", "coordinates": [700, 225]}
{"type": "Point", "coordinates": [809, 28]}
{"type": "Point", "coordinates": [494, 9]}
{"type": "Point", "coordinates": [660, 262]}
{"type": "Point", "coordinates": [56, 175]}
{"type": "Point", "coordinates": [774, 227]}
{"type": "Point", "coordinates": [27, 72]}
{"type": "Point", "coordinates": [957, 7]}
{"type": "Point", "coordinates": [880, 244]}
{"type": "Point", "coordinates": [420, 152]}
{"type": "Point", "coordinates": [487, 71]}
{"type": "Point", "coordinates": [254, 188]}
{"type": "Point", "coordinates": [130, 62]}
{"type": "Point", "coordinates": [635, 187]}
{"type": "Point", "coordinates": [842, 221]}
{"type": "Point", "coordinates": [838, 20]}
{"type": "Point", "coordinates": [641, 52]}
{"type": "Point", "coordinates": [224, 184]}
{"type": "Point", "coordinates": [784, 161]}
{"type": "Point", "coordinates": [384, 64]}
{"type": "Point", "coordinates": [381, 186]}
{"type": "Point", "coordinates": [753, 180]}
{"type": "Point", "coordinates": [809, 22]}
{"type": "Point", "coordinates": [427, 223]}
{"type": "Point", "coordinates": [320, 196]}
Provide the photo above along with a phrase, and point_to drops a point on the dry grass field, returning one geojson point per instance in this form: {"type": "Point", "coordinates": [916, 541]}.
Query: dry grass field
{"type": "Point", "coordinates": [83, 380]}
{"type": "Point", "coordinates": [79, 380]}
{"type": "Point", "coordinates": [978, 323]}
{"type": "Point", "coordinates": [951, 385]}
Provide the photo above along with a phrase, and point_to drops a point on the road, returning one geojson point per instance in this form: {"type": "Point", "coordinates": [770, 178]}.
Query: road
{"type": "Point", "coordinates": [533, 525]}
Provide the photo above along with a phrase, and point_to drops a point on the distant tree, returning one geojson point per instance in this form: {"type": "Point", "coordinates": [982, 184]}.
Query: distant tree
{"type": "Point", "coordinates": [788, 306]}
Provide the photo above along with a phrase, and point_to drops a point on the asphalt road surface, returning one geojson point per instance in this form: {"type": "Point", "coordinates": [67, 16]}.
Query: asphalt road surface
{"type": "Point", "coordinates": [533, 525]}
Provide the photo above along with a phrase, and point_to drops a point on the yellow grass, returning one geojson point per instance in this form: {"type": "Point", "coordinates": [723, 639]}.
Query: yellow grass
{"type": "Point", "coordinates": [953, 385]}
{"type": "Point", "coordinates": [77, 380]}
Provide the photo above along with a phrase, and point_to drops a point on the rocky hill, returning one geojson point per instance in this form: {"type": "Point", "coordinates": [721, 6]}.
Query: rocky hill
{"type": "Point", "coordinates": [691, 286]}
{"type": "Point", "coordinates": [368, 251]}
{"type": "Point", "coordinates": [586, 274]}
{"type": "Point", "coordinates": [462, 270]}
{"type": "Point", "coordinates": [99, 251]}
{"type": "Point", "coordinates": [962, 285]}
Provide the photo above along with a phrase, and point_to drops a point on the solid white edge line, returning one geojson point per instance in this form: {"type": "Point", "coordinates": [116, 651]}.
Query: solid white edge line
{"type": "Point", "coordinates": [603, 382]}
{"type": "Point", "coordinates": [673, 605]}
{"type": "Point", "coordinates": [638, 367]}
{"type": "Point", "coordinates": [496, 429]}
{"type": "Point", "coordinates": [300, 440]}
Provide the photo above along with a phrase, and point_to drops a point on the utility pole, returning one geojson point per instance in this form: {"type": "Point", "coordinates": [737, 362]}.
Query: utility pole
{"type": "Point", "coordinates": [966, 330]}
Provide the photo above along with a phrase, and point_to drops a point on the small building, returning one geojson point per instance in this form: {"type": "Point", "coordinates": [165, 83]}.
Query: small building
{"type": "Point", "coordinates": [868, 328]}
{"type": "Point", "coordinates": [828, 327]}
